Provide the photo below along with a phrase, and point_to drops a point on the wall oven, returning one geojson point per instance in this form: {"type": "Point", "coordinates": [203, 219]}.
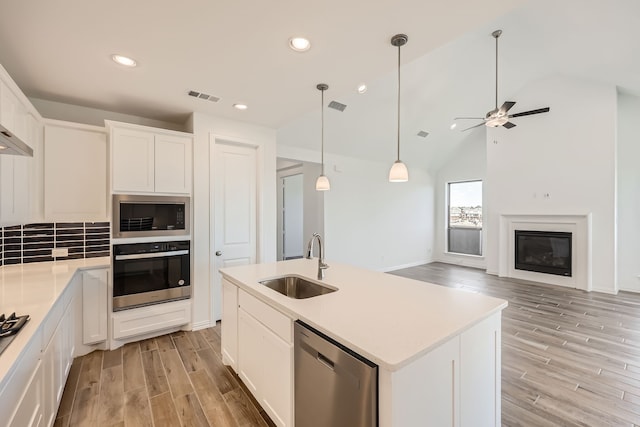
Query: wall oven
{"type": "Point", "coordinates": [150, 273]}
{"type": "Point", "coordinates": [150, 216]}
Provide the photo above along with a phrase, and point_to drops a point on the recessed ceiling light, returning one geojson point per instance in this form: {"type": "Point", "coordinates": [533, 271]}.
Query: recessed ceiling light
{"type": "Point", "coordinates": [2, 147]}
{"type": "Point", "coordinates": [124, 60]}
{"type": "Point", "coordinates": [299, 44]}
{"type": "Point", "coordinates": [453, 126]}
{"type": "Point", "coordinates": [362, 88]}
{"type": "Point", "coordinates": [240, 106]}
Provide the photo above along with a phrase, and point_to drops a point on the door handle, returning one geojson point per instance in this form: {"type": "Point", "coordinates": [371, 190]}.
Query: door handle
{"type": "Point", "coordinates": [218, 253]}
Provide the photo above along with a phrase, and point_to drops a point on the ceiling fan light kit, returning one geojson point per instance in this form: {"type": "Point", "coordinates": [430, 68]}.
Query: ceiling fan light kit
{"type": "Point", "coordinates": [500, 116]}
{"type": "Point", "coordinates": [322, 183]}
{"type": "Point", "coordinates": [398, 171]}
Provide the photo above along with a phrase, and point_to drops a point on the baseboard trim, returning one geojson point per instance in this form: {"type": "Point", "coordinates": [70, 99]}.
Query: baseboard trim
{"type": "Point", "coordinates": [408, 265]}
{"type": "Point", "coordinates": [203, 324]}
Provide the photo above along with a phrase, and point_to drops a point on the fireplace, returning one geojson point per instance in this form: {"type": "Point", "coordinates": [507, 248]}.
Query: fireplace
{"type": "Point", "coordinates": [543, 252]}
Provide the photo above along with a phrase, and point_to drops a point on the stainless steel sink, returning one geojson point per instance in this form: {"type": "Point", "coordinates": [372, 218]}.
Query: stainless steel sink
{"type": "Point", "coordinates": [296, 287]}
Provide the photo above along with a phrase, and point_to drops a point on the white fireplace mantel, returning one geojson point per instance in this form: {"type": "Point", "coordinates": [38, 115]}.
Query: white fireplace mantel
{"type": "Point", "coordinates": [579, 225]}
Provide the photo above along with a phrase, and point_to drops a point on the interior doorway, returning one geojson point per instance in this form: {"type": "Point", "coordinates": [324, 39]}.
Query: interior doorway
{"type": "Point", "coordinates": [292, 216]}
{"type": "Point", "coordinates": [300, 206]}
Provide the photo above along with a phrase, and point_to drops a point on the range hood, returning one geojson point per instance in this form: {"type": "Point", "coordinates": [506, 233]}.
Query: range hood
{"type": "Point", "coordinates": [11, 144]}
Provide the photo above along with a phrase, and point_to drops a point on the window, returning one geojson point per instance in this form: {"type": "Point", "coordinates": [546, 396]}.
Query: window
{"type": "Point", "coordinates": [464, 222]}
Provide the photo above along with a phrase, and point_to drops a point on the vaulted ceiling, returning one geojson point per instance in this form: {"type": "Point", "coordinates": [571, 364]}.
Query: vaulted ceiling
{"type": "Point", "coordinates": [60, 50]}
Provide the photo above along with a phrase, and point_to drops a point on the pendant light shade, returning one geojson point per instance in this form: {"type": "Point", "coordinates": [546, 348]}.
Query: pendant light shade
{"type": "Point", "coordinates": [399, 172]}
{"type": "Point", "coordinates": [322, 183]}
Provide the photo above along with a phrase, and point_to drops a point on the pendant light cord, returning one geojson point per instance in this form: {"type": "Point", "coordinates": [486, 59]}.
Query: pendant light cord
{"type": "Point", "coordinates": [398, 103]}
{"type": "Point", "coordinates": [322, 129]}
{"type": "Point", "coordinates": [497, 72]}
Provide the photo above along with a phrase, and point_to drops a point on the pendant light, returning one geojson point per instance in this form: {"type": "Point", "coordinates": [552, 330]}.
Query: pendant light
{"type": "Point", "coordinates": [322, 183]}
{"type": "Point", "coordinates": [398, 172]}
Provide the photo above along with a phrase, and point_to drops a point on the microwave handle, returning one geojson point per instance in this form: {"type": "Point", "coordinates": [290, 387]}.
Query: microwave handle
{"type": "Point", "coordinates": [151, 255]}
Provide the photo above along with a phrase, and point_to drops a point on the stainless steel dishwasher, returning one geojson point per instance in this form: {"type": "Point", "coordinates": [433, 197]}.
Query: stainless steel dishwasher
{"type": "Point", "coordinates": [334, 386]}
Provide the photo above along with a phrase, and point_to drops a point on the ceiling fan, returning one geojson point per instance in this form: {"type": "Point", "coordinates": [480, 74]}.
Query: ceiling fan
{"type": "Point", "coordinates": [499, 116]}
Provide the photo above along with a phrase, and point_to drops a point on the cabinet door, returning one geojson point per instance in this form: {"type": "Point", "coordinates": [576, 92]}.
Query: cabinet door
{"type": "Point", "coordinates": [75, 173]}
{"type": "Point", "coordinates": [132, 160]}
{"type": "Point", "coordinates": [277, 381]}
{"type": "Point", "coordinates": [172, 164]}
{"type": "Point", "coordinates": [425, 392]}
{"type": "Point", "coordinates": [14, 190]}
{"type": "Point", "coordinates": [94, 306]}
{"type": "Point", "coordinates": [54, 378]}
{"type": "Point", "coordinates": [230, 325]}
{"type": "Point", "coordinates": [36, 139]}
{"type": "Point", "coordinates": [30, 412]}
{"type": "Point", "coordinates": [8, 107]}
{"type": "Point", "coordinates": [250, 350]}
{"type": "Point", "coordinates": [480, 389]}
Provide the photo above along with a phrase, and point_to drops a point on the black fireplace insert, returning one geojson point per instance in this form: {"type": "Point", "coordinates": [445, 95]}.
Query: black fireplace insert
{"type": "Point", "coordinates": [543, 251]}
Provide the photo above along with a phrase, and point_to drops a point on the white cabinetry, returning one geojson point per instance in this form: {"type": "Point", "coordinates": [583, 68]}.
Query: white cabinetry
{"type": "Point", "coordinates": [30, 409]}
{"type": "Point", "coordinates": [75, 172]}
{"type": "Point", "coordinates": [456, 384]}
{"type": "Point", "coordinates": [265, 357]}
{"type": "Point", "coordinates": [21, 120]}
{"type": "Point", "coordinates": [32, 390]}
{"type": "Point", "coordinates": [149, 160]}
{"type": "Point", "coordinates": [94, 305]}
{"type": "Point", "coordinates": [230, 322]}
{"type": "Point", "coordinates": [14, 189]}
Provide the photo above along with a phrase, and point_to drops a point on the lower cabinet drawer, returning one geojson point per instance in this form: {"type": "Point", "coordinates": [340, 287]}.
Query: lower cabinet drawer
{"type": "Point", "coordinates": [268, 316]}
{"type": "Point", "coordinates": [139, 321]}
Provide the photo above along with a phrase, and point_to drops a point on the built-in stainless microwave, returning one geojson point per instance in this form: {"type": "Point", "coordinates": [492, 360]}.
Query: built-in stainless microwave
{"type": "Point", "coordinates": [150, 216]}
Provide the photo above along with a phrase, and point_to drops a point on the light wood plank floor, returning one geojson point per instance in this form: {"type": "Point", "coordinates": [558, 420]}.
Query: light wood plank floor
{"type": "Point", "coordinates": [170, 381]}
{"type": "Point", "coordinates": [569, 357]}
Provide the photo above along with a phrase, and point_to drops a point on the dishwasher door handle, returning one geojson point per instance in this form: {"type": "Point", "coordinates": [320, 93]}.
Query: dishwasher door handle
{"type": "Point", "coordinates": [325, 361]}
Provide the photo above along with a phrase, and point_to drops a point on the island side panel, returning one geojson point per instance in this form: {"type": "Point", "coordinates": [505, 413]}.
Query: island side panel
{"type": "Point", "coordinates": [480, 366]}
{"type": "Point", "coordinates": [456, 384]}
{"type": "Point", "coordinates": [423, 393]}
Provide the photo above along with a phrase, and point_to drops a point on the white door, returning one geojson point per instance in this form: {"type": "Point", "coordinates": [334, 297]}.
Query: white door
{"type": "Point", "coordinates": [234, 199]}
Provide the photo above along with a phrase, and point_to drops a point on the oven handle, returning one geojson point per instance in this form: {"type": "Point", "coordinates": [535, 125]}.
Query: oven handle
{"type": "Point", "coordinates": [151, 255]}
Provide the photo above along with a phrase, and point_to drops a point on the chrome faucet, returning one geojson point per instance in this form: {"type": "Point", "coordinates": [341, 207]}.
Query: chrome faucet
{"type": "Point", "coordinates": [321, 264]}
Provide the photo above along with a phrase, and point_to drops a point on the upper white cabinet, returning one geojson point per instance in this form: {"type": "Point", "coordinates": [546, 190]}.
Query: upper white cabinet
{"type": "Point", "coordinates": [149, 160]}
{"type": "Point", "coordinates": [75, 172]}
{"type": "Point", "coordinates": [15, 109]}
{"type": "Point", "coordinates": [20, 119]}
{"type": "Point", "coordinates": [14, 190]}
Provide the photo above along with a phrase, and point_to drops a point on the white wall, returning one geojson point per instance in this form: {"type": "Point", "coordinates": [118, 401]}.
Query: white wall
{"type": "Point", "coordinates": [468, 163]}
{"type": "Point", "coordinates": [628, 176]}
{"type": "Point", "coordinates": [569, 154]}
{"type": "Point", "coordinates": [205, 304]}
{"type": "Point", "coordinates": [370, 222]}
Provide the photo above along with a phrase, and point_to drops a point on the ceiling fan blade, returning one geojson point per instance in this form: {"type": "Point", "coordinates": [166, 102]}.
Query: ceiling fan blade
{"type": "Point", "coordinates": [468, 118]}
{"type": "Point", "coordinates": [506, 106]}
{"type": "Point", "coordinates": [475, 126]}
{"type": "Point", "coordinates": [509, 125]}
{"type": "Point", "coordinates": [528, 113]}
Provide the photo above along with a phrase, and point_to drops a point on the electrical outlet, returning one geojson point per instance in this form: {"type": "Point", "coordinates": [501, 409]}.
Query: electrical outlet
{"type": "Point", "coordinates": [59, 252]}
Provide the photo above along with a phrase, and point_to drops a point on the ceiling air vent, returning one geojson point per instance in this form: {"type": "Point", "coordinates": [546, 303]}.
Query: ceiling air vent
{"type": "Point", "coordinates": [423, 134]}
{"type": "Point", "coordinates": [204, 96]}
{"type": "Point", "coordinates": [337, 106]}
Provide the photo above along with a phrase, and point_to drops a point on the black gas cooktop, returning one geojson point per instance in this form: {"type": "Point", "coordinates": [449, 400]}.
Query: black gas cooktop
{"type": "Point", "coordinates": [9, 327]}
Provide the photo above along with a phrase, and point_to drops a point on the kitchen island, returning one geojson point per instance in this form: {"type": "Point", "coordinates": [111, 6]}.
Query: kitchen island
{"type": "Point", "coordinates": [437, 348]}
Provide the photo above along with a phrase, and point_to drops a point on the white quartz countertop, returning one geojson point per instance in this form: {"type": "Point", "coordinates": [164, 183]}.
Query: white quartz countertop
{"type": "Point", "coordinates": [390, 320]}
{"type": "Point", "coordinates": [33, 289]}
